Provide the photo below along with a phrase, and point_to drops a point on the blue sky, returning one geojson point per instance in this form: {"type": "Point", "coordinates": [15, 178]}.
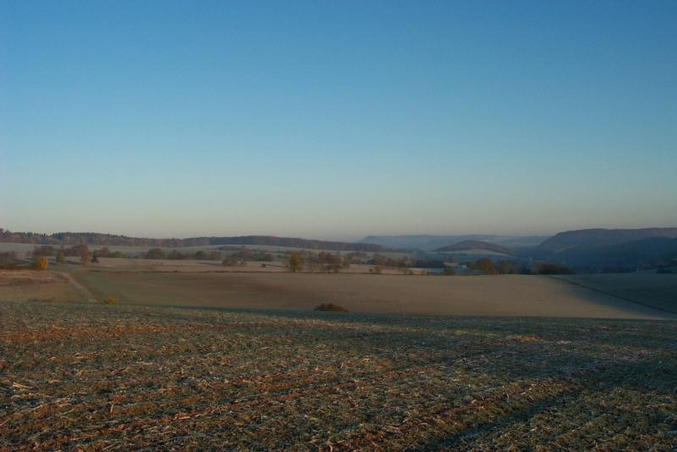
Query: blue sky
{"type": "Point", "coordinates": [335, 119]}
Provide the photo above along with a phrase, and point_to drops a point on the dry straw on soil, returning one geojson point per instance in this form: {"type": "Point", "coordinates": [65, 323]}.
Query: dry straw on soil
{"type": "Point", "coordinates": [81, 376]}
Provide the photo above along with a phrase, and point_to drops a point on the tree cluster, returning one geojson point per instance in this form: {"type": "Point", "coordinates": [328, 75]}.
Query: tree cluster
{"type": "Point", "coordinates": [158, 253]}
{"type": "Point", "coordinates": [94, 238]}
{"type": "Point", "coordinates": [551, 268]}
{"type": "Point", "coordinates": [244, 255]}
{"type": "Point", "coordinates": [486, 266]}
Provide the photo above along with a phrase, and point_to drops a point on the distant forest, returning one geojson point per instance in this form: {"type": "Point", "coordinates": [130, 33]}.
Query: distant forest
{"type": "Point", "coordinates": [95, 238]}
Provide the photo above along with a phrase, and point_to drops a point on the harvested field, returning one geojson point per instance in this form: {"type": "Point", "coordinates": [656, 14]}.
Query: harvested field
{"type": "Point", "coordinates": [25, 285]}
{"type": "Point", "coordinates": [457, 295]}
{"type": "Point", "coordinates": [100, 377]}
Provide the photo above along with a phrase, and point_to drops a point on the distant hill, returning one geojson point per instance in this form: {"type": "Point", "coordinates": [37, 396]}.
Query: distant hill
{"type": "Point", "coordinates": [433, 242]}
{"type": "Point", "coordinates": [95, 238]}
{"type": "Point", "coordinates": [470, 245]}
{"type": "Point", "coordinates": [609, 249]}
{"type": "Point", "coordinates": [585, 238]}
{"type": "Point", "coordinates": [645, 252]}
{"type": "Point", "coordinates": [294, 243]}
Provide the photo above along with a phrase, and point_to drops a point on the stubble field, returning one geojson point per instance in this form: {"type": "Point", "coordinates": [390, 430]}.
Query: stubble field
{"type": "Point", "coordinates": [29, 285]}
{"type": "Point", "coordinates": [96, 377]}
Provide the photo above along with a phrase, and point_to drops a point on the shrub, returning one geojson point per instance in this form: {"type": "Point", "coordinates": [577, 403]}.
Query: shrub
{"type": "Point", "coordinates": [40, 263]}
{"type": "Point", "coordinates": [110, 300]}
{"type": "Point", "coordinates": [86, 258]}
{"type": "Point", "coordinates": [60, 257]}
{"type": "Point", "coordinates": [331, 307]}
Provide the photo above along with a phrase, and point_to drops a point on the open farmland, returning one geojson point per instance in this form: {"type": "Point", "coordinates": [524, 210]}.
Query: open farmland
{"type": "Point", "coordinates": [97, 377]}
{"type": "Point", "coordinates": [456, 295]}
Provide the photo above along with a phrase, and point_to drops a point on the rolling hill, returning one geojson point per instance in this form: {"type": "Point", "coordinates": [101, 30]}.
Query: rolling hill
{"type": "Point", "coordinates": [588, 238]}
{"type": "Point", "coordinates": [472, 245]}
{"type": "Point", "coordinates": [656, 251]}
{"type": "Point", "coordinates": [620, 249]}
{"type": "Point", "coordinates": [433, 242]}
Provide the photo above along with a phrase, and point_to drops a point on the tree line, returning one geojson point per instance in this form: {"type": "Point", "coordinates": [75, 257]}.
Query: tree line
{"type": "Point", "coordinates": [95, 238]}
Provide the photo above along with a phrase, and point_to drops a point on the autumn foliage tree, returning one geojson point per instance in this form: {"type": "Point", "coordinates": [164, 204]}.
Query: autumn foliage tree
{"type": "Point", "coordinates": [40, 263]}
{"type": "Point", "coordinates": [295, 262]}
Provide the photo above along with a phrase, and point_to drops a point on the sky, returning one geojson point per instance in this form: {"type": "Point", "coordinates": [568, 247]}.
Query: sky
{"type": "Point", "coordinates": [337, 119]}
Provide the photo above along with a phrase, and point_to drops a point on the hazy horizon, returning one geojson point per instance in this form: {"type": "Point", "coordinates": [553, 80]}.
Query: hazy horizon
{"type": "Point", "coordinates": [327, 238]}
{"type": "Point", "coordinates": [337, 120]}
